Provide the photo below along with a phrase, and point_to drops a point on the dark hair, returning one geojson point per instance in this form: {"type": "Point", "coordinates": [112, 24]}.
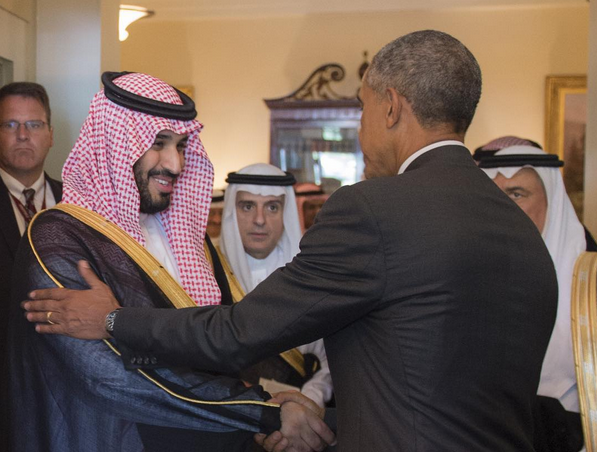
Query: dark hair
{"type": "Point", "coordinates": [435, 72]}
{"type": "Point", "coordinates": [28, 89]}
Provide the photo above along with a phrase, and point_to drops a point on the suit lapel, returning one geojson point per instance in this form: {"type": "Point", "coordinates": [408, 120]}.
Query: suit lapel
{"type": "Point", "coordinates": [9, 229]}
{"type": "Point", "coordinates": [56, 188]}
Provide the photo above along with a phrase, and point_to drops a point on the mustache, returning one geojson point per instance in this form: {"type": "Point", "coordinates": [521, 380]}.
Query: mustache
{"type": "Point", "coordinates": [163, 172]}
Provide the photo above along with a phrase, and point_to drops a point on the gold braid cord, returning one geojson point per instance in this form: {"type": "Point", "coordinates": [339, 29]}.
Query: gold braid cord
{"type": "Point", "coordinates": [293, 357]}
{"type": "Point", "coordinates": [584, 338]}
{"type": "Point", "coordinates": [145, 260]}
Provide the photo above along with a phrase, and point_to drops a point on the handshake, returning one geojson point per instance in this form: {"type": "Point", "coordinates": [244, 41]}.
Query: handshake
{"type": "Point", "coordinates": [303, 428]}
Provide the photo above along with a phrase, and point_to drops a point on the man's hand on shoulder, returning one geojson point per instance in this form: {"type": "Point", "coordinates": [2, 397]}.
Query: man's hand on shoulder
{"type": "Point", "coordinates": [76, 313]}
{"type": "Point", "coordinates": [302, 429]}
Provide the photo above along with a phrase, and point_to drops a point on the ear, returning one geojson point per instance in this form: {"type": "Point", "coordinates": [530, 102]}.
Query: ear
{"type": "Point", "coordinates": [394, 101]}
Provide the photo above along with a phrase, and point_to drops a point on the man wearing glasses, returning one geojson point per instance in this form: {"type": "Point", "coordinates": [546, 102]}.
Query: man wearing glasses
{"type": "Point", "coordinates": [25, 139]}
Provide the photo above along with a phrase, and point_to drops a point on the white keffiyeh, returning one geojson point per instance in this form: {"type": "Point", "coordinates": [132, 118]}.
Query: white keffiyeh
{"type": "Point", "coordinates": [564, 236]}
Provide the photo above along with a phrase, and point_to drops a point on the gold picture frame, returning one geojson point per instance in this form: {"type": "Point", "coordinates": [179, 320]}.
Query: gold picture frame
{"type": "Point", "coordinates": [565, 126]}
{"type": "Point", "coordinates": [189, 90]}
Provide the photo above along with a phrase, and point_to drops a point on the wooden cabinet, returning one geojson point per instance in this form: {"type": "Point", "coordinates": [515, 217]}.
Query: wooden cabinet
{"type": "Point", "coordinates": [314, 132]}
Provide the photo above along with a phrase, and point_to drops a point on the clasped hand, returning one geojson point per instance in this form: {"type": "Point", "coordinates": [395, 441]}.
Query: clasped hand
{"type": "Point", "coordinates": [303, 429]}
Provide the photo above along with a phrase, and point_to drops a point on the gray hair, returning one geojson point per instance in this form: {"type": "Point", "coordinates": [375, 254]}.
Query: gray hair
{"type": "Point", "coordinates": [435, 72]}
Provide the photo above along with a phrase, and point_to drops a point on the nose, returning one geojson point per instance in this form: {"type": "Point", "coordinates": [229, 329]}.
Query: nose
{"type": "Point", "coordinates": [22, 132]}
{"type": "Point", "coordinates": [172, 160]}
{"type": "Point", "coordinates": [259, 218]}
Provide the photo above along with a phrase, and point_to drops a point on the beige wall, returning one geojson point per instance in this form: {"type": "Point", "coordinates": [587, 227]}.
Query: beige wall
{"type": "Point", "coordinates": [590, 207]}
{"type": "Point", "coordinates": [24, 9]}
{"type": "Point", "coordinates": [234, 64]}
{"type": "Point", "coordinates": [17, 36]}
{"type": "Point", "coordinates": [76, 41]}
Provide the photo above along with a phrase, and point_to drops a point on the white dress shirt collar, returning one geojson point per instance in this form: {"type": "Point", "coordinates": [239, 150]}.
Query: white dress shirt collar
{"type": "Point", "coordinates": [16, 188]}
{"type": "Point", "coordinates": [428, 148]}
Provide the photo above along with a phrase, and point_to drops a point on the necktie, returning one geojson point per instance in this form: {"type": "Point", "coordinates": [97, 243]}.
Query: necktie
{"type": "Point", "coordinates": [29, 206]}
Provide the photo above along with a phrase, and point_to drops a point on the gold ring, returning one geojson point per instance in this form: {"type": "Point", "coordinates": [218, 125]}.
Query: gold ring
{"type": "Point", "coordinates": [48, 315]}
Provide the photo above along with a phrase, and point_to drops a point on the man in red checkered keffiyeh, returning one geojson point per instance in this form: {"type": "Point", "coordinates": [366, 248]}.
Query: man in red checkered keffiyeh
{"type": "Point", "coordinates": [138, 166]}
{"type": "Point", "coordinates": [98, 175]}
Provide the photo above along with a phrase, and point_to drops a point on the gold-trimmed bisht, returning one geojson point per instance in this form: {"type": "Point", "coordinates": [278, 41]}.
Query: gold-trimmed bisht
{"type": "Point", "coordinates": [156, 272]}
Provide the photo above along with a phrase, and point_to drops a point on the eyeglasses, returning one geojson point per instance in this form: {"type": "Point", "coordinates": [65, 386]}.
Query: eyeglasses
{"type": "Point", "coordinates": [31, 126]}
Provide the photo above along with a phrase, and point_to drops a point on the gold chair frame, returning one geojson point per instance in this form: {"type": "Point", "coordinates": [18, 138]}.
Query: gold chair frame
{"type": "Point", "coordinates": [584, 338]}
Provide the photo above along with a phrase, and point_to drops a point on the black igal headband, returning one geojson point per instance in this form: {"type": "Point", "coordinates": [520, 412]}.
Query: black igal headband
{"type": "Point", "coordinates": [259, 179]}
{"type": "Point", "coordinates": [481, 154]}
{"type": "Point", "coordinates": [126, 99]}
{"type": "Point", "coordinates": [500, 161]}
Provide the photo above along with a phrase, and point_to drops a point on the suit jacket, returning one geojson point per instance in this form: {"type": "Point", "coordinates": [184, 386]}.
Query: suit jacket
{"type": "Point", "coordinates": [435, 294]}
{"type": "Point", "coordinates": [9, 242]}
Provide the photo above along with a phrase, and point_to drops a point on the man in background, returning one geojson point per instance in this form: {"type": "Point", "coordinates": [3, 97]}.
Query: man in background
{"type": "Point", "coordinates": [532, 179]}
{"type": "Point", "coordinates": [309, 201]}
{"type": "Point", "coordinates": [260, 233]}
{"type": "Point", "coordinates": [26, 136]}
{"type": "Point", "coordinates": [214, 220]}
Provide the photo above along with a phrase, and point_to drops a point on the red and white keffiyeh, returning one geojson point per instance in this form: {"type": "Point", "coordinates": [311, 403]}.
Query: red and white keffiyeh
{"type": "Point", "coordinates": [98, 175]}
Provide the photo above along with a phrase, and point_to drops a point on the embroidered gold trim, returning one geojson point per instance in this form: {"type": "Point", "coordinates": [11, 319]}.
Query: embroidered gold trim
{"type": "Point", "coordinates": [150, 266]}
{"type": "Point", "coordinates": [137, 252]}
{"type": "Point", "coordinates": [293, 356]}
{"type": "Point", "coordinates": [235, 288]}
{"type": "Point", "coordinates": [584, 339]}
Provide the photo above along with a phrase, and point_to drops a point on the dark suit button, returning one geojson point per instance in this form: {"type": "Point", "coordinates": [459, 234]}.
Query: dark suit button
{"type": "Point", "coordinates": [154, 360]}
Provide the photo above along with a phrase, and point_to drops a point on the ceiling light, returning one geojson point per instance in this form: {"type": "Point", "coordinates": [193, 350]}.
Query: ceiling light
{"type": "Point", "coordinates": [128, 15]}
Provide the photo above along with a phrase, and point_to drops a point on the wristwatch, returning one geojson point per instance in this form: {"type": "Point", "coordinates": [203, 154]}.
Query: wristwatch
{"type": "Point", "coordinates": [110, 318]}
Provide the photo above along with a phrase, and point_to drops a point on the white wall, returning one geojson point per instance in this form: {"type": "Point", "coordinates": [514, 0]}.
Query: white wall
{"type": "Point", "coordinates": [71, 48]}
{"type": "Point", "coordinates": [13, 43]}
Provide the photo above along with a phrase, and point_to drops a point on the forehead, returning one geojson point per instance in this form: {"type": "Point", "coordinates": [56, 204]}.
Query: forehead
{"type": "Point", "coordinates": [13, 106]}
{"type": "Point", "coordinates": [169, 134]}
{"type": "Point", "coordinates": [245, 196]}
{"type": "Point", "coordinates": [525, 178]}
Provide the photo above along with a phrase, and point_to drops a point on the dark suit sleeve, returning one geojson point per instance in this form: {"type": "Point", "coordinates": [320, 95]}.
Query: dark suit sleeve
{"type": "Point", "coordinates": [338, 277]}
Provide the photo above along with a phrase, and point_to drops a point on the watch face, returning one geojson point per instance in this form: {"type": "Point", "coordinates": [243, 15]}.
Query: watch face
{"type": "Point", "coordinates": [110, 321]}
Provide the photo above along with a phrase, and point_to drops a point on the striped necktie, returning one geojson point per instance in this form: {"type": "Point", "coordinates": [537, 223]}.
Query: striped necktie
{"type": "Point", "coordinates": [29, 206]}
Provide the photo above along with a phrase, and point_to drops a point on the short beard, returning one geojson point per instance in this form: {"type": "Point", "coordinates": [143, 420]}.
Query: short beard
{"type": "Point", "coordinates": [147, 204]}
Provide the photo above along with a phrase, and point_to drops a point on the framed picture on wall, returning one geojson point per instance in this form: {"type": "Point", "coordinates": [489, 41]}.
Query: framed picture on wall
{"type": "Point", "coordinates": [565, 130]}
{"type": "Point", "coordinates": [188, 90]}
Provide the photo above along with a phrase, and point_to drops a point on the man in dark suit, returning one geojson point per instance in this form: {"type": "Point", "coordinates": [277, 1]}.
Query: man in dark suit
{"type": "Point", "coordinates": [434, 292]}
{"type": "Point", "coordinates": [26, 136]}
